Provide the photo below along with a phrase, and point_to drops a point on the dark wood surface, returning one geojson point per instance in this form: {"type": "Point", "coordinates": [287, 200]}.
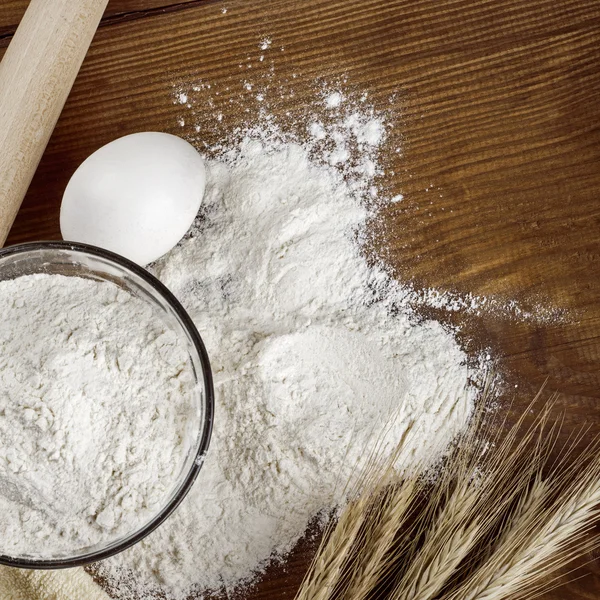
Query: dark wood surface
{"type": "Point", "coordinates": [497, 109]}
{"type": "Point", "coordinates": [11, 11]}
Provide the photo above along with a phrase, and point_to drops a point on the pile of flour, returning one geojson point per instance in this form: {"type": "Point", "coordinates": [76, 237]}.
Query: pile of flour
{"type": "Point", "coordinates": [313, 351]}
{"type": "Point", "coordinates": [94, 399]}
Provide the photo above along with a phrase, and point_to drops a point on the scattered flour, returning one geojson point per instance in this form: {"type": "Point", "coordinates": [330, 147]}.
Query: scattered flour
{"type": "Point", "coordinates": [312, 358]}
{"type": "Point", "coordinates": [92, 413]}
{"type": "Point", "coordinates": [265, 43]}
{"type": "Point", "coordinates": [333, 100]}
{"type": "Point", "coordinates": [345, 131]}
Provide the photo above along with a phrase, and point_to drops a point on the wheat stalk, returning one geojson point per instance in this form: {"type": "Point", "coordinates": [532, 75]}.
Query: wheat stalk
{"type": "Point", "coordinates": [448, 538]}
{"type": "Point", "coordinates": [496, 523]}
{"type": "Point", "coordinates": [327, 567]}
{"type": "Point", "coordinates": [370, 565]}
{"type": "Point", "coordinates": [433, 572]}
{"type": "Point", "coordinates": [324, 579]}
{"type": "Point", "coordinates": [455, 532]}
{"type": "Point", "coordinates": [536, 542]}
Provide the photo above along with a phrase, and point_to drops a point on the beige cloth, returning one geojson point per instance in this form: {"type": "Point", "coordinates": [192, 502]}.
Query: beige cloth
{"type": "Point", "coordinates": [63, 584]}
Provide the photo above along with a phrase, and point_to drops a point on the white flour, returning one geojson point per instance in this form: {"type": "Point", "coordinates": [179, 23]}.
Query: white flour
{"type": "Point", "coordinates": [312, 357]}
{"type": "Point", "coordinates": [92, 413]}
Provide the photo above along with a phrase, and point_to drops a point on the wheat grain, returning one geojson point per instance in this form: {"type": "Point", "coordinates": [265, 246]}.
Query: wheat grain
{"type": "Point", "coordinates": [434, 573]}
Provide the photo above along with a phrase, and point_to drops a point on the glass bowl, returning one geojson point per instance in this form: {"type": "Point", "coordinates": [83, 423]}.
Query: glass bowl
{"type": "Point", "coordinates": [81, 260]}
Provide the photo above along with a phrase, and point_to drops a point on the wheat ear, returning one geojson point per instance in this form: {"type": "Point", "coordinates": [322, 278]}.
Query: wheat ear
{"type": "Point", "coordinates": [492, 526]}
{"type": "Point", "coordinates": [469, 486]}
{"type": "Point", "coordinates": [548, 533]}
{"type": "Point", "coordinates": [327, 567]}
{"type": "Point", "coordinates": [369, 565]}
{"type": "Point", "coordinates": [327, 575]}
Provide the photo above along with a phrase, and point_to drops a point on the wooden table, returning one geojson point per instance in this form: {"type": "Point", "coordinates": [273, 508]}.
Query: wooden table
{"type": "Point", "coordinates": [497, 109]}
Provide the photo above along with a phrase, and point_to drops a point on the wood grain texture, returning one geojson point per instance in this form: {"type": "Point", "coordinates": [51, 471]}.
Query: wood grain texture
{"type": "Point", "coordinates": [496, 112]}
{"type": "Point", "coordinates": [11, 11]}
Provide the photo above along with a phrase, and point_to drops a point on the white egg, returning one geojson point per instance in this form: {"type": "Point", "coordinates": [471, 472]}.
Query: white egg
{"type": "Point", "coordinates": [136, 196]}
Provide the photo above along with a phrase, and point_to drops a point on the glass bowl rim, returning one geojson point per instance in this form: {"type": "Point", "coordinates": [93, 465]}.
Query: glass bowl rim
{"type": "Point", "coordinates": [206, 426]}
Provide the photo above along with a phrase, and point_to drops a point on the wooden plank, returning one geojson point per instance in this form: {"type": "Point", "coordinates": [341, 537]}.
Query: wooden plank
{"type": "Point", "coordinates": [11, 11]}
{"type": "Point", "coordinates": [494, 106]}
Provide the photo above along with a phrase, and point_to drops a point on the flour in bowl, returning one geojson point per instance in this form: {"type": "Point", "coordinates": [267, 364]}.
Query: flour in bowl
{"type": "Point", "coordinates": [95, 392]}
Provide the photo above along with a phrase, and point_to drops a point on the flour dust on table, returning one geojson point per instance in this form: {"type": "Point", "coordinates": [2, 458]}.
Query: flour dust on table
{"type": "Point", "coordinates": [95, 394]}
{"type": "Point", "coordinates": [313, 350]}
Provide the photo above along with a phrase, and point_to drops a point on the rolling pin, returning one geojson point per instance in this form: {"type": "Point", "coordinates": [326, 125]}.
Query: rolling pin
{"type": "Point", "coordinates": [36, 76]}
